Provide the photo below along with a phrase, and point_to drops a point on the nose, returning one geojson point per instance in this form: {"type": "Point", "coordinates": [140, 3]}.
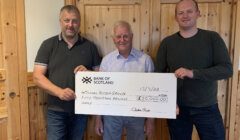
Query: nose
{"type": "Point", "coordinates": [121, 38]}
{"type": "Point", "coordinates": [70, 23]}
{"type": "Point", "coordinates": [185, 14]}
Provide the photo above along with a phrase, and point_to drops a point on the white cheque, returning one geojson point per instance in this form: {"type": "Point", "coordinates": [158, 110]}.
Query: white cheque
{"type": "Point", "coordinates": [126, 94]}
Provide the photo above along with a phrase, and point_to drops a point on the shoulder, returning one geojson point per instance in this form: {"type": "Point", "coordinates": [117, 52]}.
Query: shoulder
{"type": "Point", "coordinates": [208, 33]}
{"type": "Point", "coordinates": [141, 54]}
{"type": "Point", "coordinates": [51, 40]}
{"type": "Point", "coordinates": [170, 39]}
{"type": "Point", "coordinates": [49, 43]}
{"type": "Point", "coordinates": [86, 41]}
{"type": "Point", "coordinates": [110, 55]}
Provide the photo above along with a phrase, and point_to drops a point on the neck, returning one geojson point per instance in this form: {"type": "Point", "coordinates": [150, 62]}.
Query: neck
{"type": "Point", "coordinates": [188, 33]}
{"type": "Point", "coordinates": [70, 41]}
{"type": "Point", "coordinates": [125, 54]}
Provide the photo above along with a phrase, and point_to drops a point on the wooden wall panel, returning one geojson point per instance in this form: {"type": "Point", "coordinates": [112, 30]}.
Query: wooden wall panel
{"type": "Point", "coordinates": [1, 47]}
{"type": "Point", "coordinates": [22, 68]}
{"type": "Point", "coordinates": [98, 26]}
{"type": "Point", "coordinates": [237, 122]}
{"type": "Point", "coordinates": [234, 51]}
{"type": "Point", "coordinates": [168, 25]}
{"type": "Point", "coordinates": [10, 56]}
{"type": "Point", "coordinates": [200, 1]}
{"type": "Point", "coordinates": [13, 62]}
{"type": "Point", "coordinates": [37, 113]}
{"type": "Point", "coordinates": [72, 2]}
{"type": "Point", "coordinates": [3, 129]}
{"type": "Point", "coordinates": [154, 22]}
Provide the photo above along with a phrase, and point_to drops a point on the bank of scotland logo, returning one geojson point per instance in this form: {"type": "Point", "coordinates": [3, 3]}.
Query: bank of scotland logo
{"type": "Point", "coordinates": [86, 80]}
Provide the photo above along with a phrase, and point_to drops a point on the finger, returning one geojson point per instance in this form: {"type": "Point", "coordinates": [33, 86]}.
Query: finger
{"type": "Point", "coordinates": [99, 131]}
{"type": "Point", "coordinates": [80, 68]}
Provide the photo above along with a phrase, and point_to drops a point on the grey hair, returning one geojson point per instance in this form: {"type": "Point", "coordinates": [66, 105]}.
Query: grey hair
{"type": "Point", "coordinates": [121, 23]}
{"type": "Point", "coordinates": [70, 8]}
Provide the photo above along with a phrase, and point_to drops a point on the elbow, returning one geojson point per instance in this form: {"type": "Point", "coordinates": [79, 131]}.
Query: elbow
{"type": "Point", "coordinates": [229, 72]}
{"type": "Point", "coordinates": [36, 78]}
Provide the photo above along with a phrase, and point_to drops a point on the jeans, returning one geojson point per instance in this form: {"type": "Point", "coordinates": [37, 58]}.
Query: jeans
{"type": "Point", "coordinates": [207, 120]}
{"type": "Point", "coordinates": [113, 127]}
{"type": "Point", "coordinates": [65, 126]}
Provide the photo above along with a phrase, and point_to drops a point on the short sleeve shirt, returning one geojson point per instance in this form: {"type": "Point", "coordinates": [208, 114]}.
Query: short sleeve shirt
{"type": "Point", "coordinates": [61, 61]}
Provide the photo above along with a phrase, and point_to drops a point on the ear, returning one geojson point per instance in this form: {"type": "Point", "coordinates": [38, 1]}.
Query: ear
{"type": "Point", "coordinates": [199, 14]}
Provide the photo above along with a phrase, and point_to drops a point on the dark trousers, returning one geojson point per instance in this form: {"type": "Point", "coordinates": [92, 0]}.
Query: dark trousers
{"type": "Point", "coordinates": [207, 120]}
{"type": "Point", "coordinates": [65, 126]}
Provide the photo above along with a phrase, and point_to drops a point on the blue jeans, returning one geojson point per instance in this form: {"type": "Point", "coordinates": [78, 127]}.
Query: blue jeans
{"type": "Point", "coordinates": [65, 126]}
{"type": "Point", "coordinates": [113, 127]}
{"type": "Point", "coordinates": [207, 120]}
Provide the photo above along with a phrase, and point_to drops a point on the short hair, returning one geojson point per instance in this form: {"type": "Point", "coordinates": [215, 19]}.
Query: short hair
{"type": "Point", "coordinates": [121, 23]}
{"type": "Point", "coordinates": [194, 1]}
{"type": "Point", "coordinates": [70, 8]}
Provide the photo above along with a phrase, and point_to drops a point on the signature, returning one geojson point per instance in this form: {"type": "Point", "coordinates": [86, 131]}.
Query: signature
{"type": "Point", "coordinates": [135, 109]}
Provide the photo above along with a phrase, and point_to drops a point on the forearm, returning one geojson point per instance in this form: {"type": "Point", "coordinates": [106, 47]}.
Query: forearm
{"type": "Point", "coordinates": [218, 72]}
{"type": "Point", "coordinates": [42, 82]}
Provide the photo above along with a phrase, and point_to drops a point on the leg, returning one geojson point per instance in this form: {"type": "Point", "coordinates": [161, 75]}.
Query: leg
{"type": "Point", "coordinates": [112, 127]}
{"type": "Point", "coordinates": [77, 126]}
{"type": "Point", "coordinates": [135, 128]}
{"type": "Point", "coordinates": [209, 123]}
{"type": "Point", "coordinates": [181, 127]}
{"type": "Point", "coordinates": [56, 126]}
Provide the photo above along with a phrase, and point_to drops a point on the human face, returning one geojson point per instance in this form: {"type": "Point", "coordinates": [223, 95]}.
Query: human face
{"type": "Point", "coordinates": [186, 15]}
{"type": "Point", "coordinates": [70, 24]}
{"type": "Point", "coordinates": [123, 40]}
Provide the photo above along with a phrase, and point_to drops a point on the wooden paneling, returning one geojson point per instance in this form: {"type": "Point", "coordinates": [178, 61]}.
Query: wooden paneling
{"type": "Point", "coordinates": [22, 69]}
{"type": "Point", "coordinates": [233, 96]}
{"type": "Point", "coordinates": [237, 121]}
{"type": "Point", "coordinates": [1, 47]}
{"type": "Point", "coordinates": [3, 130]}
{"type": "Point", "coordinates": [37, 113]}
{"type": "Point", "coordinates": [13, 83]}
{"type": "Point", "coordinates": [98, 26]}
{"type": "Point", "coordinates": [72, 2]}
{"type": "Point", "coordinates": [199, 1]}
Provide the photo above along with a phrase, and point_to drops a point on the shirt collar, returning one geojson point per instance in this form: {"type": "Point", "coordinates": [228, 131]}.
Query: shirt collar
{"type": "Point", "coordinates": [60, 38]}
{"type": "Point", "coordinates": [133, 54]}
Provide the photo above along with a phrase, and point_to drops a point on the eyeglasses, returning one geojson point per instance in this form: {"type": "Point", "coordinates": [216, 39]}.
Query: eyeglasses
{"type": "Point", "coordinates": [125, 36]}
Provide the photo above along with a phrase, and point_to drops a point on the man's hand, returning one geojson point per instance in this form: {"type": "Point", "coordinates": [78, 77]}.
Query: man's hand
{"type": "Point", "coordinates": [183, 72]}
{"type": "Point", "coordinates": [98, 125]}
{"type": "Point", "coordinates": [80, 68]}
{"type": "Point", "coordinates": [66, 94]}
{"type": "Point", "coordinates": [149, 127]}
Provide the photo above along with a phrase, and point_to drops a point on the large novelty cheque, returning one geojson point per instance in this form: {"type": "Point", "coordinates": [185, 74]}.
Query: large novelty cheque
{"type": "Point", "coordinates": [126, 94]}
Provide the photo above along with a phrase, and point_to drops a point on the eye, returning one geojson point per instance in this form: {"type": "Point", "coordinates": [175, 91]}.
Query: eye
{"type": "Point", "coordinates": [124, 36]}
{"type": "Point", "coordinates": [75, 21]}
{"type": "Point", "coordinates": [179, 13]}
{"type": "Point", "coordinates": [66, 20]}
{"type": "Point", "coordinates": [118, 36]}
{"type": "Point", "coordinates": [190, 11]}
